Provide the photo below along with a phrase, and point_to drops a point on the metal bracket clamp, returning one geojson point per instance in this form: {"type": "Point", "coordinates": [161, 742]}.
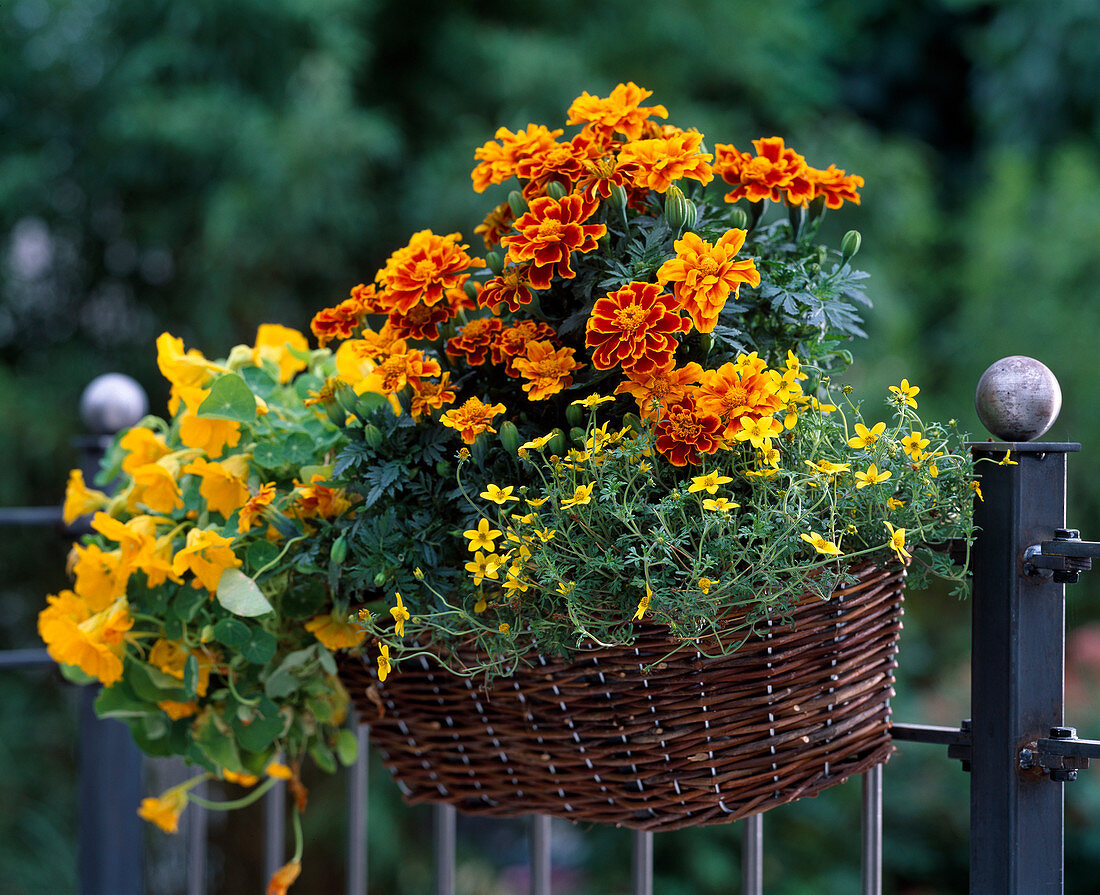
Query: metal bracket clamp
{"type": "Point", "coordinates": [1062, 559]}
{"type": "Point", "coordinates": [1061, 755]}
{"type": "Point", "coordinates": [956, 739]}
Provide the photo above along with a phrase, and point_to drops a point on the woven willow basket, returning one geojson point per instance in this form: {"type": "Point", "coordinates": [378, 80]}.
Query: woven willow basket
{"type": "Point", "coordinates": [694, 741]}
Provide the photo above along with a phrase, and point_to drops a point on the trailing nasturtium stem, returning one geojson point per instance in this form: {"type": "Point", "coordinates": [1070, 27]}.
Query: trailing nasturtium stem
{"type": "Point", "coordinates": [243, 802]}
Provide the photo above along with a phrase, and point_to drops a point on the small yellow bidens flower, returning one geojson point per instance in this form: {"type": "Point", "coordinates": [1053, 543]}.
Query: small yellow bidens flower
{"type": "Point", "coordinates": [582, 495]}
{"type": "Point", "coordinates": [864, 437]}
{"type": "Point", "coordinates": [564, 588]}
{"type": "Point", "coordinates": [643, 604]}
{"type": "Point", "coordinates": [905, 394]}
{"type": "Point", "coordinates": [400, 616]}
{"type": "Point", "coordinates": [705, 584]}
{"type": "Point", "coordinates": [1005, 461]}
{"type": "Point", "coordinates": [499, 495]}
{"type": "Point", "coordinates": [536, 502]}
{"type": "Point", "coordinates": [545, 534]}
{"type": "Point", "coordinates": [871, 477]}
{"type": "Point", "coordinates": [592, 400]}
{"type": "Point", "coordinates": [482, 566]}
{"type": "Point", "coordinates": [820, 544]}
{"type": "Point", "coordinates": [977, 489]}
{"type": "Point", "coordinates": [504, 627]}
{"type": "Point", "coordinates": [828, 468]}
{"type": "Point", "coordinates": [482, 537]}
{"type": "Point", "coordinates": [914, 444]}
{"type": "Point", "coordinates": [537, 444]}
{"type": "Point", "coordinates": [708, 482]}
{"type": "Point", "coordinates": [897, 542]}
{"type": "Point", "coordinates": [384, 666]}
{"type": "Point", "coordinates": [894, 504]}
{"type": "Point", "coordinates": [719, 504]}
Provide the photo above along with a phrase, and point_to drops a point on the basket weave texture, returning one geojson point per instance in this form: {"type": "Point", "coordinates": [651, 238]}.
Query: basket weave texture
{"type": "Point", "coordinates": [695, 740]}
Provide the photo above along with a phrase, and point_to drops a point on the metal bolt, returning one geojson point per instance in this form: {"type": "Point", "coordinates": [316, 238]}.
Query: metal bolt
{"type": "Point", "coordinates": [1067, 534]}
{"type": "Point", "coordinates": [1061, 775]}
{"type": "Point", "coordinates": [1027, 759]}
{"type": "Point", "coordinates": [1018, 398]}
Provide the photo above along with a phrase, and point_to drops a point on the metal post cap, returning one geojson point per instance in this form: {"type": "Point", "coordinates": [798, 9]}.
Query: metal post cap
{"type": "Point", "coordinates": [112, 402]}
{"type": "Point", "coordinates": [1018, 398]}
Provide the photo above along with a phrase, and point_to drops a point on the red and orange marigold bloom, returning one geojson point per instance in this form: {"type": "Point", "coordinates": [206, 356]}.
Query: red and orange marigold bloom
{"type": "Point", "coordinates": [421, 321]}
{"type": "Point", "coordinates": [474, 340]}
{"type": "Point", "coordinates": [548, 233]}
{"type": "Point", "coordinates": [498, 159]}
{"type": "Point", "coordinates": [497, 222]}
{"type": "Point", "coordinates": [622, 112]}
{"type": "Point", "coordinates": [424, 270]}
{"type": "Point", "coordinates": [430, 394]}
{"type": "Point", "coordinates": [742, 389]}
{"type": "Point", "coordinates": [472, 418]}
{"type": "Point", "coordinates": [704, 275]}
{"type": "Point", "coordinates": [657, 389]}
{"type": "Point", "coordinates": [661, 161]}
{"type": "Point", "coordinates": [339, 322]}
{"type": "Point", "coordinates": [562, 163]}
{"type": "Point", "coordinates": [511, 288]}
{"type": "Point", "coordinates": [686, 432]}
{"type": "Point", "coordinates": [546, 370]}
{"type": "Point", "coordinates": [399, 370]}
{"type": "Point", "coordinates": [836, 186]}
{"type": "Point", "coordinates": [511, 342]}
{"type": "Point", "coordinates": [601, 174]}
{"type": "Point", "coordinates": [635, 327]}
{"type": "Point", "coordinates": [776, 172]}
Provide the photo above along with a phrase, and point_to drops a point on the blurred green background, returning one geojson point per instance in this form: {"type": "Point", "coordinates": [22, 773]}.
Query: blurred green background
{"type": "Point", "coordinates": [205, 166]}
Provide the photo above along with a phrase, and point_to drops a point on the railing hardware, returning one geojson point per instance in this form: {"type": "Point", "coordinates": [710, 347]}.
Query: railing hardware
{"type": "Point", "coordinates": [956, 739]}
{"type": "Point", "coordinates": [1062, 559]}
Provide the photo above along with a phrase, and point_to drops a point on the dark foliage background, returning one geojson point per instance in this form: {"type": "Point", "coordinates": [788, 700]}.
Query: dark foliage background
{"type": "Point", "coordinates": [203, 167]}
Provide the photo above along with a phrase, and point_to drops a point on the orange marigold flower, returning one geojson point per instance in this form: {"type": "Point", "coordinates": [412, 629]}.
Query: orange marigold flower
{"type": "Point", "coordinates": [738, 390]}
{"type": "Point", "coordinates": [836, 186]}
{"type": "Point", "coordinates": [314, 501]}
{"type": "Point", "coordinates": [621, 112]}
{"type": "Point", "coordinates": [511, 342]}
{"type": "Point", "coordinates": [547, 371]}
{"type": "Point", "coordinates": [373, 345]}
{"type": "Point", "coordinates": [253, 510]}
{"type": "Point", "coordinates": [657, 389]}
{"type": "Point", "coordinates": [776, 172]}
{"type": "Point", "coordinates": [498, 159]}
{"type": "Point", "coordinates": [511, 288]}
{"type": "Point", "coordinates": [421, 321]}
{"type": "Point", "coordinates": [548, 233]}
{"type": "Point", "coordinates": [396, 371]}
{"type": "Point", "coordinates": [561, 162]}
{"type": "Point", "coordinates": [472, 418]}
{"type": "Point", "coordinates": [497, 222]}
{"type": "Point", "coordinates": [369, 297]}
{"type": "Point", "coordinates": [474, 340]}
{"type": "Point", "coordinates": [686, 432]}
{"type": "Point", "coordinates": [636, 327]}
{"type": "Point", "coordinates": [429, 395]}
{"type": "Point", "coordinates": [601, 174]}
{"type": "Point", "coordinates": [424, 270]}
{"type": "Point", "coordinates": [705, 275]}
{"type": "Point", "coordinates": [661, 161]}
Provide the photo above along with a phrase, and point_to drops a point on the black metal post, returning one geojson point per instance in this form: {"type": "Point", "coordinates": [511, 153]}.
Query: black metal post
{"type": "Point", "coordinates": [1018, 647]}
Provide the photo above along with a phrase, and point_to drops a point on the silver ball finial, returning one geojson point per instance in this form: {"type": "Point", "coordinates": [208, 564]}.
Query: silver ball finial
{"type": "Point", "coordinates": [112, 402]}
{"type": "Point", "coordinates": [1018, 398]}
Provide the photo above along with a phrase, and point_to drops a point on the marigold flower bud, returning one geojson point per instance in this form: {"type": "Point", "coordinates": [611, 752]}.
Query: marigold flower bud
{"type": "Point", "coordinates": [517, 203]}
{"type": "Point", "coordinates": [339, 551]}
{"type": "Point", "coordinates": [616, 202]}
{"type": "Point", "coordinates": [738, 219]}
{"type": "Point", "coordinates": [578, 435]}
{"type": "Point", "coordinates": [557, 442]}
{"type": "Point", "coordinates": [494, 260]}
{"type": "Point", "coordinates": [632, 421]}
{"type": "Point", "coordinates": [379, 579]}
{"type": "Point", "coordinates": [680, 212]}
{"type": "Point", "coordinates": [372, 435]}
{"type": "Point", "coordinates": [574, 413]}
{"type": "Point", "coordinates": [509, 437]}
{"type": "Point", "coordinates": [555, 190]}
{"type": "Point", "coordinates": [849, 246]}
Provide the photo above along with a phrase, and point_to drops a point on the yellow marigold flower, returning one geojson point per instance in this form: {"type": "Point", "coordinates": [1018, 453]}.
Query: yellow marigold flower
{"type": "Point", "coordinates": [864, 437]}
{"type": "Point", "coordinates": [914, 444]}
{"type": "Point", "coordinates": [593, 400]}
{"type": "Point", "coordinates": [537, 444]}
{"type": "Point", "coordinates": [582, 495]}
{"type": "Point", "coordinates": [400, 616]}
{"type": "Point", "coordinates": [165, 810]}
{"type": "Point", "coordinates": [719, 504]}
{"type": "Point", "coordinates": [708, 482]}
{"type": "Point", "coordinates": [253, 509]}
{"type": "Point", "coordinates": [282, 878]}
{"type": "Point", "coordinates": [705, 275]}
{"type": "Point", "coordinates": [621, 112]}
{"type": "Point", "coordinates": [977, 489]}
{"type": "Point", "coordinates": [335, 632]}
{"type": "Point", "coordinates": [897, 542]}
{"type": "Point", "coordinates": [820, 544]}
{"type": "Point", "coordinates": [905, 393]}
{"type": "Point", "coordinates": [499, 495]}
{"type": "Point", "coordinates": [484, 566]}
{"type": "Point", "coordinates": [482, 537]}
{"type": "Point", "coordinates": [472, 418]}
{"type": "Point", "coordinates": [504, 627]}
{"type": "Point", "coordinates": [643, 604]}
{"type": "Point", "coordinates": [705, 584]}
{"type": "Point", "coordinates": [273, 343]}
{"type": "Point", "coordinates": [894, 504]}
{"type": "Point", "coordinates": [871, 477]}
{"type": "Point", "coordinates": [279, 771]}
{"type": "Point", "coordinates": [546, 369]}
{"type": "Point", "coordinates": [659, 162]}
{"type": "Point", "coordinates": [80, 500]}
{"type": "Point", "coordinates": [207, 554]}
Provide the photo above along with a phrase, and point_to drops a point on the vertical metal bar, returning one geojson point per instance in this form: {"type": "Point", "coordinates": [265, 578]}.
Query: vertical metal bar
{"type": "Point", "coordinates": [445, 823]}
{"type": "Point", "coordinates": [357, 813]}
{"type": "Point", "coordinates": [870, 859]}
{"type": "Point", "coordinates": [752, 855]}
{"type": "Point", "coordinates": [1018, 648]}
{"type": "Point", "coordinates": [197, 823]}
{"type": "Point", "coordinates": [274, 829]}
{"type": "Point", "coordinates": [110, 838]}
{"type": "Point", "coordinates": [642, 864]}
{"type": "Point", "coordinates": [540, 854]}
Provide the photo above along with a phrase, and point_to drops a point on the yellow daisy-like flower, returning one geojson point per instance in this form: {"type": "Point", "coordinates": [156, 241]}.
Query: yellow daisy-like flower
{"type": "Point", "coordinates": [864, 437]}
{"type": "Point", "coordinates": [1006, 461]}
{"type": "Point", "coordinates": [705, 584]}
{"type": "Point", "coordinates": [400, 616]}
{"type": "Point", "coordinates": [719, 504]}
{"type": "Point", "coordinates": [820, 544]}
{"type": "Point", "coordinates": [545, 534]}
{"type": "Point", "coordinates": [894, 504]}
{"type": "Point", "coordinates": [759, 431]}
{"type": "Point", "coordinates": [483, 537]}
{"type": "Point", "coordinates": [871, 477]}
{"type": "Point", "coordinates": [914, 444]}
{"type": "Point", "coordinates": [482, 566]}
{"type": "Point", "coordinates": [498, 495]}
{"type": "Point", "coordinates": [643, 604]}
{"type": "Point", "coordinates": [593, 400]}
{"type": "Point", "coordinates": [582, 495]}
{"type": "Point", "coordinates": [384, 666]}
{"type": "Point", "coordinates": [565, 588]}
{"type": "Point", "coordinates": [828, 468]}
{"type": "Point", "coordinates": [897, 542]}
{"type": "Point", "coordinates": [977, 489]}
{"type": "Point", "coordinates": [504, 627]}
{"type": "Point", "coordinates": [537, 444]}
{"type": "Point", "coordinates": [536, 502]}
{"type": "Point", "coordinates": [708, 482]}
{"type": "Point", "coordinates": [904, 394]}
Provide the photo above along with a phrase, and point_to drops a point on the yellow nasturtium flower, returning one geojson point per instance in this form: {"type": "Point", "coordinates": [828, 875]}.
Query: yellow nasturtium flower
{"type": "Point", "coordinates": [165, 809]}
{"type": "Point", "coordinates": [207, 554]}
{"type": "Point", "coordinates": [80, 500]}
{"type": "Point", "coordinates": [335, 632]}
{"type": "Point", "coordinates": [223, 484]}
{"type": "Point", "coordinates": [273, 343]}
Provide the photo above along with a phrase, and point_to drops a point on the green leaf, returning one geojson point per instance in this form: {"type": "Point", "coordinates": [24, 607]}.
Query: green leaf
{"type": "Point", "coordinates": [231, 632]}
{"type": "Point", "coordinates": [260, 647]}
{"type": "Point", "coordinates": [215, 744]}
{"type": "Point", "coordinates": [281, 684]}
{"type": "Point", "coordinates": [259, 732]}
{"type": "Point", "coordinates": [323, 757]}
{"type": "Point", "coordinates": [259, 381]}
{"type": "Point", "coordinates": [240, 594]}
{"type": "Point", "coordinates": [119, 701]}
{"type": "Point", "coordinates": [259, 554]}
{"type": "Point", "coordinates": [306, 473]}
{"type": "Point", "coordinates": [268, 456]}
{"type": "Point", "coordinates": [299, 449]}
{"type": "Point", "coordinates": [191, 675]}
{"type": "Point", "coordinates": [230, 398]}
{"type": "Point", "coordinates": [347, 747]}
{"type": "Point", "coordinates": [74, 675]}
{"type": "Point", "coordinates": [306, 383]}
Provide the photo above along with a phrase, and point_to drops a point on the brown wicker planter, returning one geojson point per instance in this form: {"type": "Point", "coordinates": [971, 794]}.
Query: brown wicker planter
{"type": "Point", "coordinates": [695, 741]}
